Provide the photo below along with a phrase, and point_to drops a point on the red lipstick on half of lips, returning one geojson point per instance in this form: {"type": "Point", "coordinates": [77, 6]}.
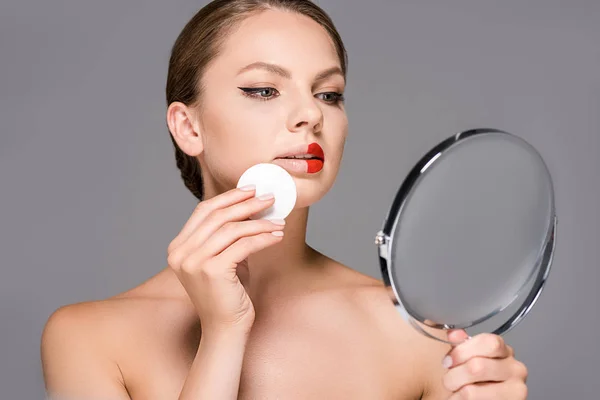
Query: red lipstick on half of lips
{"type": "Point", "coordinates": [303, 158]}
{"type": "Point", "coordinates": [315, 164]}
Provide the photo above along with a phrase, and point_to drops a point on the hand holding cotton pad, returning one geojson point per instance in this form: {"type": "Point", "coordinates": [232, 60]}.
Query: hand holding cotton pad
{"type": "Point", "coordinates": [271, 178]}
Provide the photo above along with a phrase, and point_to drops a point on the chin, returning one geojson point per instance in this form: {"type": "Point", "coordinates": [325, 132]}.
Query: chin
{"type": "Point", "coordinates": [311, 191]}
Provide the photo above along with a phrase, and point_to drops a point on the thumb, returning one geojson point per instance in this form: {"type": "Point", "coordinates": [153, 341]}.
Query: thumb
{"type": "Point", "coordinates": [457, 336]}
{"type": "Point", "coordinates": [243, 273]}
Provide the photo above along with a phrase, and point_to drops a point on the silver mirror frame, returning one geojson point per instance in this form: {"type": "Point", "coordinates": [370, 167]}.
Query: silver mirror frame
{"type": "Point", "coordinates": [384, 240]}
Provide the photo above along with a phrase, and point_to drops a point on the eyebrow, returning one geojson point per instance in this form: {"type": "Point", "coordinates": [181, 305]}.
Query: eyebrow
{"type": "Point", "coordinates": [284, 73]}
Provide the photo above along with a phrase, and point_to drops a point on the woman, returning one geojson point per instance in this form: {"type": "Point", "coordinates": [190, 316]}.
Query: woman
{"type": "Point", "coordinates": [245, 308]}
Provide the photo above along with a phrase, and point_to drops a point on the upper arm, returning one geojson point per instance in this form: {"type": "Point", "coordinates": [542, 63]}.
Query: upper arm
{"type": "Point", "coordinates": [74, 363]}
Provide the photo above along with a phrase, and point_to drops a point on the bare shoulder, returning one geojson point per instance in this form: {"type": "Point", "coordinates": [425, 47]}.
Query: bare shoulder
{"type": "Point", "coordinates": [375, 300]}
{"type": "Point", "coordinates": [76, 360]}
{"type": "Point", "coordinates": [111, 324]}
{"type": "Point", "coordinates": [407, 351]}
{"type": "Point", "coordinates": [108, 321]}
{"type": "Point", "coordinates": [83, 345]}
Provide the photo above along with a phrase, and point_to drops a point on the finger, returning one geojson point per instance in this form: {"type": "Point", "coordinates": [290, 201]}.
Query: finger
{"type": "Point", "coordinates": [204, 208]}
{"type": "Point", "coordinates": [225, 264]}
{"type": "Point", "coordinates": [457, 336]}
{"type": "Point", "coordinates": [482, 391]}
{"type": "Point", "coordinates": [482, 345]}
{"type": "Point", "coordinates": [232, 232]}
{"type": "Point", "coordinates": [214, 221]}
{"type": "Point", "coordinates": [245, 246]}
{"type": "Point", "coordinates": [478, 369]}
{"type": "Point", "coordinates": [511, 351]}
{"type": "Point", "coordinates": [509, 390]}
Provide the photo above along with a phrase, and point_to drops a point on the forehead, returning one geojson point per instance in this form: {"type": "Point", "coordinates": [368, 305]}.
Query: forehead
{"type": "Point", "coordinates": [291, 40]}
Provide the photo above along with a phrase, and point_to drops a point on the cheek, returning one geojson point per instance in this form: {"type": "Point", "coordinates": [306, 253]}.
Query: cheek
{"type": "Point", "coordinates": [236, 138]}
{"type": "Point", "coordinates": [337, 138]}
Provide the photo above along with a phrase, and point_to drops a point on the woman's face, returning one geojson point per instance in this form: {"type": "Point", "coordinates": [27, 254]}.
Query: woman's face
{"type": "Point", "coordinates": [274, 88]}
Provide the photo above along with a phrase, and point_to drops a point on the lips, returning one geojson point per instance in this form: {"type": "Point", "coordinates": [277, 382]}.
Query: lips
{"type": "Point", "coordinates": [316, 150]}
{"type": "Point", "coordinates": [314, 166]}
{"type": "Point", "coordinates": [309, 158]}
{"type": "Point", "coordinates": [313, 149]}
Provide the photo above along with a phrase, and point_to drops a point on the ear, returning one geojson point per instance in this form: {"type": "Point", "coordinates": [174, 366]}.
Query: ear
{"type": "Point", "coordinates": [185, 129]}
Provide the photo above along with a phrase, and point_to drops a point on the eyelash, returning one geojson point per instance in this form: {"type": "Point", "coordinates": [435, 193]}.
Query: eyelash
{"type": "Point", "coordinates": [251, 92]}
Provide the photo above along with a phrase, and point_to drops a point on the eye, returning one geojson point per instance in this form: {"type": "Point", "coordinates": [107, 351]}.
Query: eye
{"type": "Point", "coordinates": [332, 97]}
{"type": "Point", "coordinates": [264, 93]}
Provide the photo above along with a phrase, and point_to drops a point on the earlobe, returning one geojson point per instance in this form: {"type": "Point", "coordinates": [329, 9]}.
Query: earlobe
{"type": "Point", "coordinates": [184, 128]}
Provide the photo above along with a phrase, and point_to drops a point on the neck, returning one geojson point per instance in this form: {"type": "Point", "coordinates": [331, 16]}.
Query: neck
{"type": "Point", "coordinates": [285, 262]}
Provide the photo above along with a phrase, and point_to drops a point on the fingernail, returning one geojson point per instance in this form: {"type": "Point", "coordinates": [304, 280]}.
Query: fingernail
{"type": "Point", "coordinates": [278, 221]}
{"type": "Point", "coordinates": [447, 362]}
{"type": "Point", "coordinates": [277, 233]}
{"type": "Point", "coordinates": [248, 188]}
{"type": "Point", "coordinates": [267, 196]}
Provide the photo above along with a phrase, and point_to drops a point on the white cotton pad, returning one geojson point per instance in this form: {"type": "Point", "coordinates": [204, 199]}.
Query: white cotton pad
{"type": "Point", "coordinates": [271, 178]}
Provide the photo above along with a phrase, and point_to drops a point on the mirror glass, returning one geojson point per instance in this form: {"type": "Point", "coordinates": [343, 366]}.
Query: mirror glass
{"type": "Point", "coordinates": [468, 242]}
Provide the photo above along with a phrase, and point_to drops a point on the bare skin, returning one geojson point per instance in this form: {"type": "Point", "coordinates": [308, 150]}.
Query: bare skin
{"type": "Point", "coordinates": [340, 337]}
{"type": "Point", "coordinates": [317, 329]}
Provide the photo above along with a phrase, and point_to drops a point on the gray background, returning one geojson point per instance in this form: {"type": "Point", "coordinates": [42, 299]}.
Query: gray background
{"type": "Point", "coordinates": [90, 195]}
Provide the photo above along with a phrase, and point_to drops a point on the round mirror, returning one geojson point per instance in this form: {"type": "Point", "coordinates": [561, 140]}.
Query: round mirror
{"type": "Point", "coordinates": [468, 241]}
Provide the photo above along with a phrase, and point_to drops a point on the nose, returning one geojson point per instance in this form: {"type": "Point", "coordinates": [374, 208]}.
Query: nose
{"type": "Point", "coordinates": [307, 115]}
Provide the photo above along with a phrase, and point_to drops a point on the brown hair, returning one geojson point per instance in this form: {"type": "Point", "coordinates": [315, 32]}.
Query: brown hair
{"type": "Point", "coordinates": [198, 44]}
